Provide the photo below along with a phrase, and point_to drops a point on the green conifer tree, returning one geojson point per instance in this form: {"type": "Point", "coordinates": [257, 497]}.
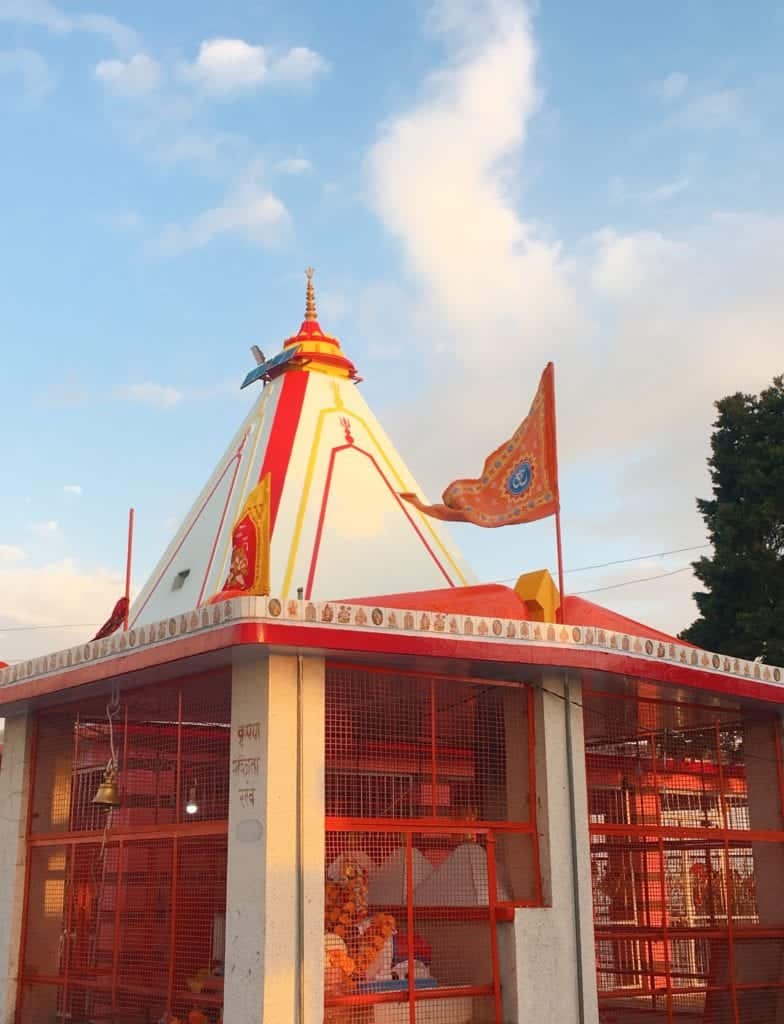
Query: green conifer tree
{"type": "Point", "coordinates": [742, 607]}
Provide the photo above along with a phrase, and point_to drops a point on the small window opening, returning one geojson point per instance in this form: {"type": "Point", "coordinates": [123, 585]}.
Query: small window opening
{"type": "Point", "coordinates": [180, 579]}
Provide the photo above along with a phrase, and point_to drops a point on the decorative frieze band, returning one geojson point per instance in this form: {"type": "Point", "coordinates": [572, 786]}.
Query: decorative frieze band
{"type": "Point", "coordinates": [360, 617]}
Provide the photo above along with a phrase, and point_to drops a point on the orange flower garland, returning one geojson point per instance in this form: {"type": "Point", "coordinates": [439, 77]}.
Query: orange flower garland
{"type": "Point", "coordinates": [346, 907]}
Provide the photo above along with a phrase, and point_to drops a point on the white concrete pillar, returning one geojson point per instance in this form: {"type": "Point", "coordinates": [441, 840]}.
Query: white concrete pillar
{"type": "Point", "coordinates": [275, 897]}
{"type": "Point", "coordinates": [14, 796]}
{"type": "Point", "coordinates": [764, 805]}
{"type": "Point", "coordinates": [539, 951]}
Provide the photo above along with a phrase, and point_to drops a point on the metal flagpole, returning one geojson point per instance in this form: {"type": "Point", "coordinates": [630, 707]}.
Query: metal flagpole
{"type": "Point", "coordinates": [128, 568]}
{"type": "Point", "coordinates": [560, 616]}
{"type": "Point", "coordinates": [558, 545]}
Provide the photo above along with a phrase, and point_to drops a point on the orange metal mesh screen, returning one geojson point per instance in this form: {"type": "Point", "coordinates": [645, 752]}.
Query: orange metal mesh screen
{"type": "Point", "coordinates": [430, 798]}
{"type": "Point", "coordinates": [125, 908]}
{"type": "Point", "coordinates": [687, 858]}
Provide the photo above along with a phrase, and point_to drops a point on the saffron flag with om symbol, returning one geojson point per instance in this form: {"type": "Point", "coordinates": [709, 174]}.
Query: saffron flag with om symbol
{"type": "Point", "coordinates": [519, 482]}
{"type": "Point", "coordinates": [248, 574]}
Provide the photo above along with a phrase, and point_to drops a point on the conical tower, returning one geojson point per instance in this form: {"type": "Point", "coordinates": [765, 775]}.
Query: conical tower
{"type": "Point", "coordinates": [338, 528]}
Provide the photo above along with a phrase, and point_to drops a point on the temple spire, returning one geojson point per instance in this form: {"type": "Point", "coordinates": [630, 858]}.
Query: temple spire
{"type": "Point", "coordinates": [310, 297]}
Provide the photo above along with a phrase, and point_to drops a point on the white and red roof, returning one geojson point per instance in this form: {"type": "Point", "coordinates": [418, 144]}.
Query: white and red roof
{"type": "Point", "coordinates": [337, 524]}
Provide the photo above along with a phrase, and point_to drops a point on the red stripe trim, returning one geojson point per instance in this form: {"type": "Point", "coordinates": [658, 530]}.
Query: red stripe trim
{"type": "Point", "coordinates": [236, 460]}
{"type": "Point", "coordinates": [323, 513]}
{"type": "Point", "coordinates": [281, 438]}
{"type": "Point", "coordinates": [326, 638]}
{"type": "Point", "coordinates": [216, 538]}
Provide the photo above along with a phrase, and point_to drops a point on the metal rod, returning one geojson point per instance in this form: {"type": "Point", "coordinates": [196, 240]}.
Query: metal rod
{"type": "Point", "coordinates": [300, 842]}
{"type": "Point", "coordinates": [663, 876]}
{"type": "Point", "coordinates": [559, 550]}
{"type": "Point", "coordinates": [175, 870]}
{"type": "Point", "coordinates": [433, 745]}
{"type": "Point", "coordinates": [412, 1014]}
{"type": "Point", "coordinates": [128, 559]}
{"type": "Point", "coordinates": [729, 900]}
{"type": "Point", "coordinates": [492, 898]}
{"type": "Point", "coordinates": [116, 936]}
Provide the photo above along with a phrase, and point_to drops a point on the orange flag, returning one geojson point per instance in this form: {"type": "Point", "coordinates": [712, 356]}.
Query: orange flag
{"type": "Point", "coordinates": [249, 568]}
{"type": "Point", "coordinates": [519, 482]}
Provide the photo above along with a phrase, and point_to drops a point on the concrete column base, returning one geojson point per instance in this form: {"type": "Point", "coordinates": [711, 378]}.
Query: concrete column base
{"type": "Point", "coordinates": [539, 951]}
{"type": "Point", "coordinates": [275, 897]}
{"type": "Point", "coordinates": [14, 797]}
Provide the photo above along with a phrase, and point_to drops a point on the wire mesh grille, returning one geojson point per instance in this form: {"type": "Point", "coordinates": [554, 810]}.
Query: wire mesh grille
{"type": "Point", "coordinates": [687, 857]}
{"type": "Point", "coordinates": [430, 826]}
{"type": "Point", "coordinates": [126, 906]}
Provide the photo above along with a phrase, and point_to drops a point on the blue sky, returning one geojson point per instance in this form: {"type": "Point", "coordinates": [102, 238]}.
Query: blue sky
{"type": "Point", "coordinates": [481, 186]}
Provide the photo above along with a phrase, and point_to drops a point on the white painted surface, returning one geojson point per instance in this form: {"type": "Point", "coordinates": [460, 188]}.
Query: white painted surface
{"type": "Point", "coordinates": [263, 952]}
{"type": "Point", "coordinates": [370, 543]}
{"type": "Point", "coordinates": [14, 792]}
{"type": "Point", "coordinates": [538, 951]}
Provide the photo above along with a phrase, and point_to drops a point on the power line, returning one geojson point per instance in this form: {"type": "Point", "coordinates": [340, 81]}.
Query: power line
{"type": "Point", "coordinates": [621, 561]}
{"type": "Point", "coordinates": [639, 558]}
{"type": "Point", "coordinates": [628, 583]}
{"type": "Point", "coordinates": [62, 625]}
{"type": "Point", "coordinates": [580, 568]}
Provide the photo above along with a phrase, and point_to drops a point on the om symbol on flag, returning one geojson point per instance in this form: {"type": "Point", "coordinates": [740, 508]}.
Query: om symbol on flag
{"type": "Point", "coordinates": [520, 480]}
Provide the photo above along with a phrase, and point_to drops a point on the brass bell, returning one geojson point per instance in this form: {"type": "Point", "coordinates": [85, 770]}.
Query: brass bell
{"type": "Point", "coordinates": [108, 794]}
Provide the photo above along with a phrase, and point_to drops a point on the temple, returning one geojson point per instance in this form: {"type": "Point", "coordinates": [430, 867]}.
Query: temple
{"type": "Point", "coordinates": [327, 777]}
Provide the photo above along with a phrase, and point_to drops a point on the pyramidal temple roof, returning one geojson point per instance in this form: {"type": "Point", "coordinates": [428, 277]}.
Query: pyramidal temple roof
{"type": "Point", "coordinates": [337, 524]}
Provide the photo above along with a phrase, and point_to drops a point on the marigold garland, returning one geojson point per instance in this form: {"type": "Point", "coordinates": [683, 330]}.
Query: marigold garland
{"type": "Point", "coordinates": [345, 910]}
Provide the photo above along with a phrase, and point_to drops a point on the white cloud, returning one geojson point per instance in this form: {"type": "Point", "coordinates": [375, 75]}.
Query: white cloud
{"type": "Point", "coordinates": [72, 489]}
{"type": "Point", "coordinates": [647, 328]}
{"type": "Point", "coordinates": [711, 111]}
{"type": "Point", "coordinates": [299, 66]}
{"type": "Point", "coordinates": [35, 12]}
{"type": "Point", "coordinates": [47, 528]}
{"type": "Point", "coordinates": [295, 165]}
{"type": "Point", "coordinates": [621, 191]}
{"type": "Point", "coordinates": [43, 14]}
{"type": "Point", "coordinates": [672, 86]}
{"type": "Point", "coordinates": [226, 67]}
{"type": "Point", "coordinates": [11, 553]}
{"type": "Point", "coordinates": [53, 595]}
{"type": "Point", "coordinates": [30, 69]}
{"type": "Point", "coordinates": [122, 36]}
{"type": "Point", "coordinates": [249, 211]}
{"type": "Point", "coordinates": [161, 396]}
{"type": "Point", "coordinates": [668, 189]}
{"type": "Point", "coordinates": [139, 76]}
{"type": "Point", "coordinates": [624, 263]}
{"type": "Point", "coordinates": [439, 179]}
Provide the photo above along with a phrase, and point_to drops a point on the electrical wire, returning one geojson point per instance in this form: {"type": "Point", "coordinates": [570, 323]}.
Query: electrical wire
{"type": "Point", "coordinates": [628, 583]}
{"type": "Point", "coordinates": [507, 579]}
{"type": "Point", "coordinates": [619, 561]}
{"type": "Point", "coordinates": [61, 625]}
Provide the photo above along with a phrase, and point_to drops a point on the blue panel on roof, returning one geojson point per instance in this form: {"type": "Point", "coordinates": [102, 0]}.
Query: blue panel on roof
{"type": "Point", "coordinates": [258, 372]}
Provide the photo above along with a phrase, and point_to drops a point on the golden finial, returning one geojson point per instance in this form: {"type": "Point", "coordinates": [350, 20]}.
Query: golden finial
{"type": "Point", "coordinates": [310, 297]}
